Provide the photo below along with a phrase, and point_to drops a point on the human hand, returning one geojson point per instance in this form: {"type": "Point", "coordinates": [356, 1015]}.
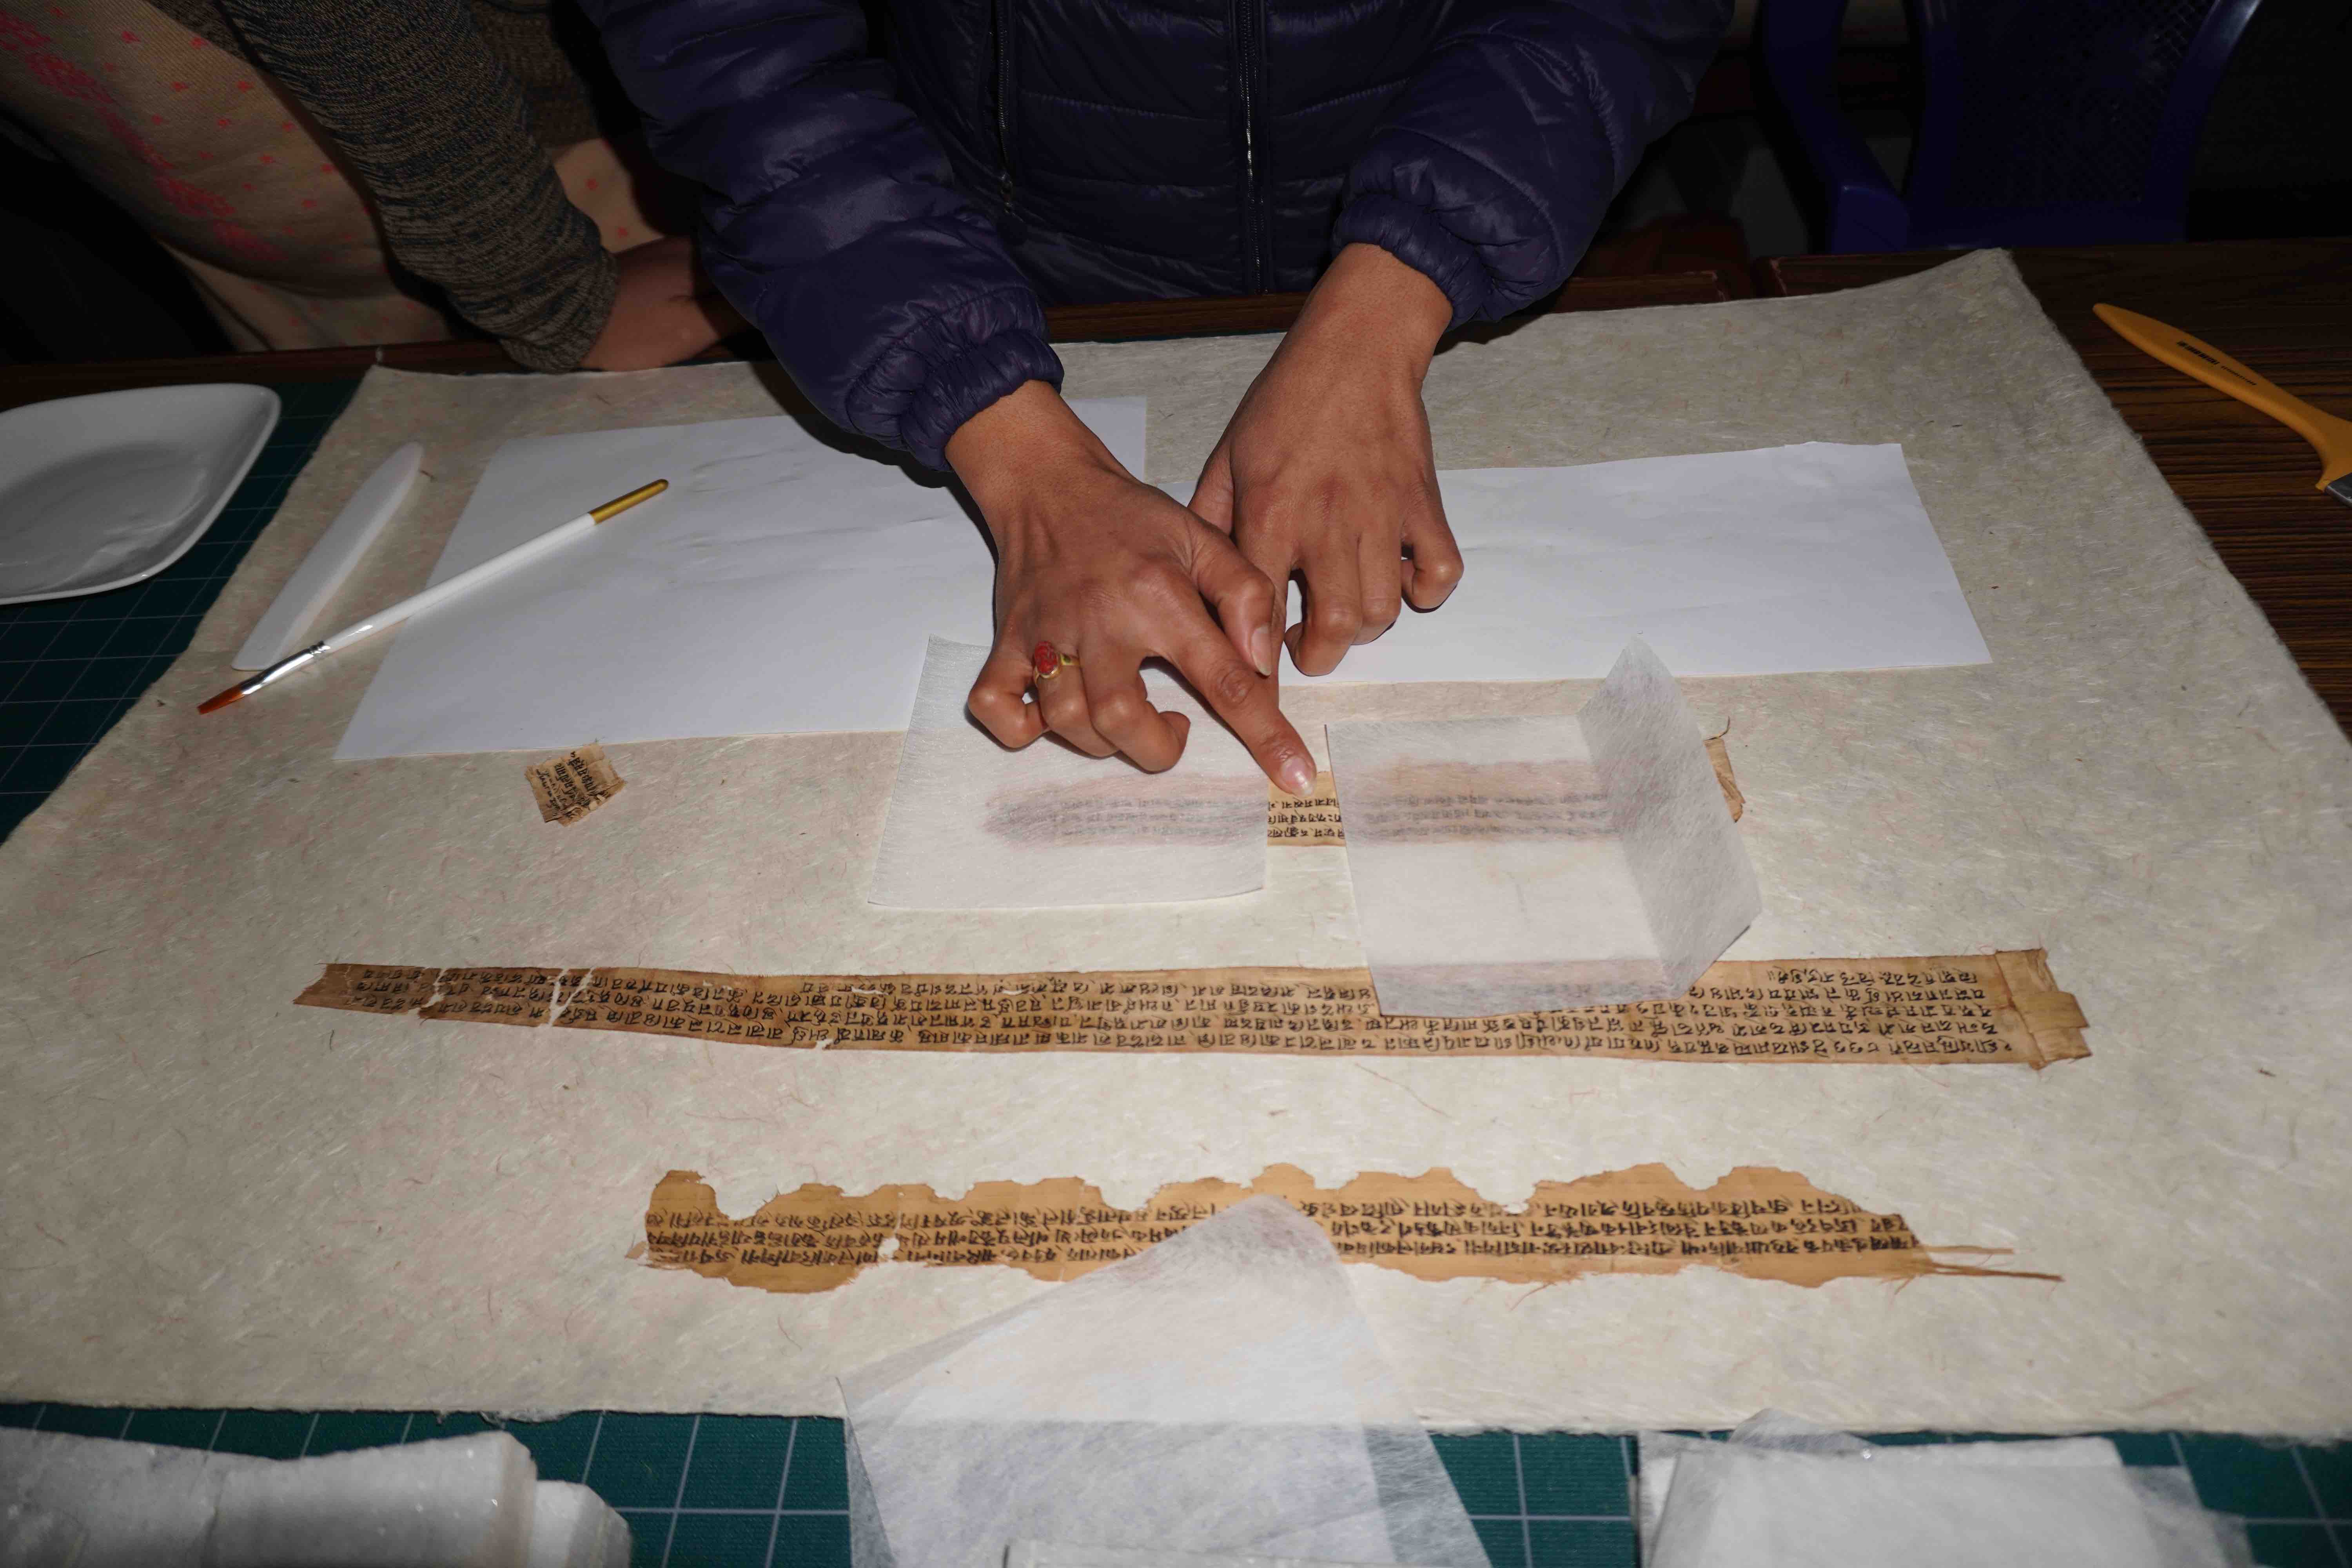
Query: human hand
{"type": "Point", "coordinates": [1102, 567]}
{"type": "Point", "coordinates": [1326, 467]}
{"type": "Point", "coordinates": [665, 310]}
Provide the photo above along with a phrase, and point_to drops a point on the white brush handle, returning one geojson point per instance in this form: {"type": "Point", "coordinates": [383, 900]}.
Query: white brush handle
{"type": "Point", "coordinates": [463, 583]}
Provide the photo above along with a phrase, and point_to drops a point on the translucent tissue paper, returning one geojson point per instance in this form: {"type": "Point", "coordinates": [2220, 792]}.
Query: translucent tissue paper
{"type": "Point", "coordinates": [1513, 865]}
{"type": "Point", "coordinates": [972, 825]}
{"type": "Point", "coordinates": [1219, 1394]}
{"type": "Point", "coordinates": [1783, 1494]}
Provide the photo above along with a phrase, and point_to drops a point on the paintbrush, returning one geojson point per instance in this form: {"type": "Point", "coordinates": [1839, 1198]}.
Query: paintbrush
{"type": "Point", "coordinates": [440, 593]}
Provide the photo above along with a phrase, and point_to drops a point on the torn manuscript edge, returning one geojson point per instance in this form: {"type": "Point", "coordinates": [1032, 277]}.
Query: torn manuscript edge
{"type": "Point", "coordinates": [1996, 1007]}
{"type": "Point", "coordinates": [1762, 1223]}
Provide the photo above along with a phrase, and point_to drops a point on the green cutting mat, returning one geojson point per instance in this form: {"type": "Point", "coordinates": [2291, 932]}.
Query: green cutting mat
{"type": "Point", "coordinates": [727, 1491]}
{"type": "Point", "coordinates": [746, 1492]}
{"type": "Point", "coordinates": [70, 668]}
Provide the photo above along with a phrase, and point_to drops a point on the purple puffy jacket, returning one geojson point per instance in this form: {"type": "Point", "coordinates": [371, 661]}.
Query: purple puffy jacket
{"type": "Point", "coordinates": [891, 226]}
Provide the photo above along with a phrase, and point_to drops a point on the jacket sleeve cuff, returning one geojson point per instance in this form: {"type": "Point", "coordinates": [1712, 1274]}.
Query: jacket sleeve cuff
{"type": "Point", "coordinates": [1413, 235]}
{"type": "Point", "coordinates": [955, 389]}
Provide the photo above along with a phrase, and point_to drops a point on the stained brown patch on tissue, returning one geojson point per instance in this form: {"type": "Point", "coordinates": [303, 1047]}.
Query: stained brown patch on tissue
{"type": "Point", "coordinates": [1762, 1223]}
{"type": "Point", "coordinates": [1967, 1008]}
{"type": "Point", "coordinates": [1313, 822]}
{"type": "Point", "coordinates": [1121, 807]}
{"type": "Point", "coordinates": [1479, 803]}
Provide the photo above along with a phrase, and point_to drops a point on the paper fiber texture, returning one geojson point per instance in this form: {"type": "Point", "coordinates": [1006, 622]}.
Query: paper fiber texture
{"type": "Point", "coordinates": [783, 584]}
{"type": "Point", "coordinates": [972, 825]}
{"type": "Point", "coordinates": [1816, 556]}
{"type": "Point", "coordinates": [1219, 1393]}
{"type": "Point", "coordinates": [2001, 1007]}
{"type": "Point", "coordinates": [573, 785]}
{"type": "Point", "coordinates": [1757, 1222]}
{"type": "Point", "coordinates": [1518, 865]}
{"type": "Point", "coordinates": [209, 1198]}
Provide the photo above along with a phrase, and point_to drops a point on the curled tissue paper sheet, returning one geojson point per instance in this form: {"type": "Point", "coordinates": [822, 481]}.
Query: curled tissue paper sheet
{"type": "Point", "coordinates": [1784, 1493]}
{"type": "Point", "coordinates": [972, 825]}
{"type": "Point", "coordinates": [1520, 864]}
{"type": "Point", "coordinates": [1218, 1393]}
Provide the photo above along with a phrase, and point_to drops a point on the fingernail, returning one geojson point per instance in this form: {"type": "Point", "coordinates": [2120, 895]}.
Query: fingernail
{"type": "Point", "coordinates": [1297, 776]}
{"type": "Point", "coordinates": [1262, 649]}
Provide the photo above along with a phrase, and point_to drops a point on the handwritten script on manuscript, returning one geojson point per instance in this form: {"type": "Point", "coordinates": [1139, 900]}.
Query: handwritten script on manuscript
{"type": "Point", "coordinates": [573, 785]}
{"type": "Point", "coordinates": [1759, 1222]}
{"type": "Point", "coordinates": [1998, 1008]}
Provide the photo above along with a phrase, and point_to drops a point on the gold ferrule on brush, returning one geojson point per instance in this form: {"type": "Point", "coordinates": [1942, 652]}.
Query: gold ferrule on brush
{"type": "Point", "coordinates": [619, 504]}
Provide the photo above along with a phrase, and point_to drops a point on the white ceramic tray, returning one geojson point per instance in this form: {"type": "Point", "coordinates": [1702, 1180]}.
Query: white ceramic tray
{"type": "Point", "coordinates": [101, 491]}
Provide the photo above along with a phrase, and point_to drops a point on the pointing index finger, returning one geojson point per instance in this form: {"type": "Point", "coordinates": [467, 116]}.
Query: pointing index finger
{"type": "Point", "coordinates": [1246, 701]}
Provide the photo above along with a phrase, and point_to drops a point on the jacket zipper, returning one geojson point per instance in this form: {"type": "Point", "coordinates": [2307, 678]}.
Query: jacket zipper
{"type": "Point", "coordinates": [1249, 35]}
{"type": "Point", "coordinates": [1004, 107]}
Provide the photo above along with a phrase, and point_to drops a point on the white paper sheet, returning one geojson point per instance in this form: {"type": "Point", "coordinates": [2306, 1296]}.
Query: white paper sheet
{"type": "Point", "coordinates": [975, 826]}
{"type": "Point", "coordinates": [1218, 1393]}
{"type": "Point", "coordinates": [1513, 865]}
{"type": "Point", "coordinates": [781, 586]}
{"type": "Point", "coordinates": [1817, 556]}
{"type": "Point", "coordinates": [785, 586]}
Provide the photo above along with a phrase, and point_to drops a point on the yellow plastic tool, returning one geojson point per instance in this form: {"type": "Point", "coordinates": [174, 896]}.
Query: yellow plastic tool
{"type": "Point", "coordinates": [2331, 435]}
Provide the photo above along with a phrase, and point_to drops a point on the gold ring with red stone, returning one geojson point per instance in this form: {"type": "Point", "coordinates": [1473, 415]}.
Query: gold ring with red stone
{"type": "Point", "coordinates": [1046, 661]}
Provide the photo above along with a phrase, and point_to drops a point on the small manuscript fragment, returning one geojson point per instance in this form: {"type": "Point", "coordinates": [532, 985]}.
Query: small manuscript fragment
{"type": "Point", "coordinates": [573, 785]}
{"type": "Point", "coordinates": [1975, 1008]}
{"type": "Point", "coordinates": [1308, 823]}
{"type": "Point", "coordinates": [1756, 1221]}
{"type": "Point", "coordinates": [1720, 759]}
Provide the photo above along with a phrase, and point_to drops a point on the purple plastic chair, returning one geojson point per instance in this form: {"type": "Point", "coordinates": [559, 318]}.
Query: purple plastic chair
{"type": "Point", "coordinates": [2046, 121]}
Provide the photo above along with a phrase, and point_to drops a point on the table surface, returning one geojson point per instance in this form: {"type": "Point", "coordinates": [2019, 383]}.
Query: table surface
{"type": "Point", "coordinates": [760, 1491]}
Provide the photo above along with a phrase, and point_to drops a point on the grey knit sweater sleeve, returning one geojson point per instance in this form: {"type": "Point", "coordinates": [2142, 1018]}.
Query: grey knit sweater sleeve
{"type": "Point", "coordinates": [440, 135]}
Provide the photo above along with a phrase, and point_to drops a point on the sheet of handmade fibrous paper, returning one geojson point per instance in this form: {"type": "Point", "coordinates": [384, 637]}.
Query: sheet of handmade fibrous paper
{"type": "Point", "coordinates": [1785, 1493]}
{"type": "Point", "coordinates": [1813, 556]}
{"type": "Point", "coordinates": [211, 1198]}
{"type": "Point", "coordinates": [785, 582]}
{"type": "Point", "coordinates": [972, 825]}
{"type": "Point", "coordinates": [1217, 1393]}
{"type": "Point", "coordinates": [1518, 865]}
